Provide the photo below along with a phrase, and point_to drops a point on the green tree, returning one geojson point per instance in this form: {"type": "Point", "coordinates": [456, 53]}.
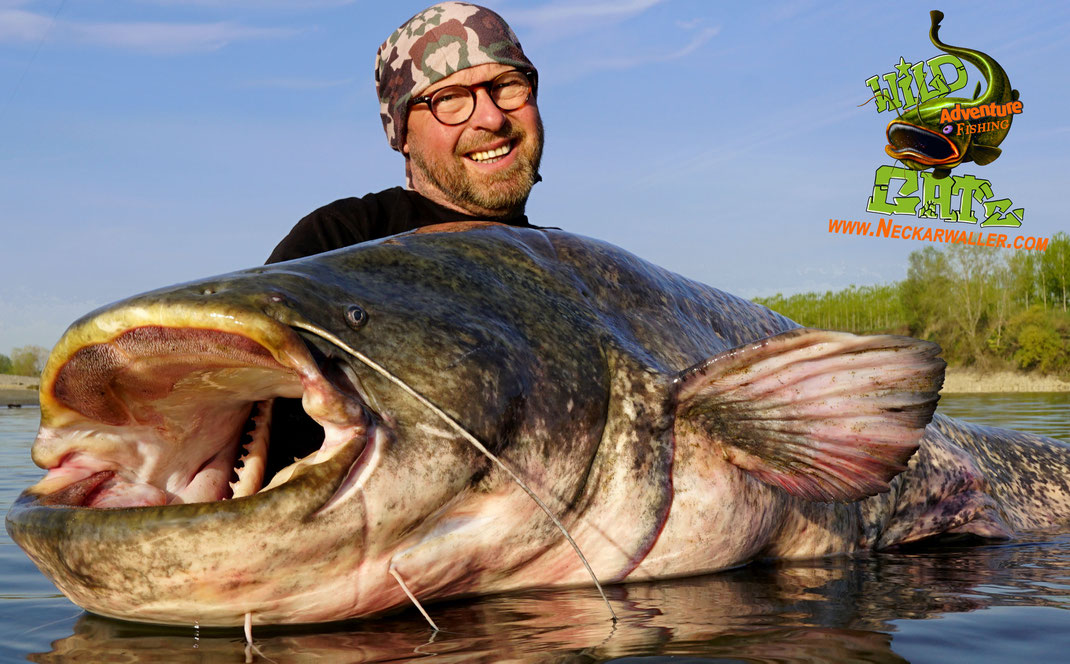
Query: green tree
{"type": "Point", "coordinates": [1055, 270]}
{"type": "Point", "coordinates": [5, 364]}
{"type": "Point", "coordinates": [924, 292]}
{"type": "Point", "coordinates": [28, 360]}
{"type": "Point", "coordinates": [1025, 282]}
{"type": "Point", "coordinates": [1039, 348]}
{"type": "Point", "coordinates": [1040, 340]}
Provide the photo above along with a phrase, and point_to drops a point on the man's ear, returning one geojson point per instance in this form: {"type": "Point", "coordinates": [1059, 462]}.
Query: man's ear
{"type": "Point", "coordinates": [405, 149]}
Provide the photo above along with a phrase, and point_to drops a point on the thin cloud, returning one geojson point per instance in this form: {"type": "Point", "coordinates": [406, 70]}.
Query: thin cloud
{"type": "Point", "coordinates": [254, 4]}
{"type": "Point", "coordinates": [170, 37]}
{"type": "Point", "coordinates": [556, 14]}
{"type": "Point", "coordinates": [17, 25]}
{"type": "Point", "coordinates": [787, 11]}
{"type": "Point", "coordinates": [20, 26]}
{"type": "Point", "coordinates": [630, 62]}
{"type": "Point", "coordinates": [300, 83]}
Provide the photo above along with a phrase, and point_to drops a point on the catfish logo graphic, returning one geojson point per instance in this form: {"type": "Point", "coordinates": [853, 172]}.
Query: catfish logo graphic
{"type": "Point", "coordinates": [939, 132]}
{"type": "Point", "coordinates": [942, 133]}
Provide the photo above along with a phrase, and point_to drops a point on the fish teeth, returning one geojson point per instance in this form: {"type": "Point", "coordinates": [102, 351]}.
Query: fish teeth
{"type": "Point", "coordinates": [254, 461]}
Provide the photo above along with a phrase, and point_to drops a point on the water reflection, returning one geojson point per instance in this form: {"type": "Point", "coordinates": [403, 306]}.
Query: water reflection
{"type": "Point", "coordinates": [846, 609]}
{"type": "Point", "coordinates": [983, 604]}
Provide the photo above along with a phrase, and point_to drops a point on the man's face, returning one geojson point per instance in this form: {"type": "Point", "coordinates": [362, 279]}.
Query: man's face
{"type": "Point", "coordinates": [453, 166]}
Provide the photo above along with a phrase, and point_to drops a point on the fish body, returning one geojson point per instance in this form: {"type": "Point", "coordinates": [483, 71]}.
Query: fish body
{"type": "Point", "coordinates": [673, 430]}
{"type": "Point", "coordinates": [924, 137]}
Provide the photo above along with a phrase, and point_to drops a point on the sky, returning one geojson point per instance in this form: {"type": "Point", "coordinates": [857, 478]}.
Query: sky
{"type": "Point", "coordinates": [149, 142]}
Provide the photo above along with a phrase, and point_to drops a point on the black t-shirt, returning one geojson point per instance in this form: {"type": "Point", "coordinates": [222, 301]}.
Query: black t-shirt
{"type": "Point", "coordinates": [353, 220]}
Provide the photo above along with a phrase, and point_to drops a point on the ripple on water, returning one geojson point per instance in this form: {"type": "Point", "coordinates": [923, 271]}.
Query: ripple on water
{"type": "Point", "coordinates": [993, 603]}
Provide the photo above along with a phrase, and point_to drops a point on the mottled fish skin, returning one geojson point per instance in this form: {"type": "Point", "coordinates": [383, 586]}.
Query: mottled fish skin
{"type": "Point", "coordinates": [973, 480]}
{"type": "Point", "coordinates": [560, 353]}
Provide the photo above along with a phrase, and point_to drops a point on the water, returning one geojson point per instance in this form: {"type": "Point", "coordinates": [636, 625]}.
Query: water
{"type": "Point", "coordinates": [998, 603]}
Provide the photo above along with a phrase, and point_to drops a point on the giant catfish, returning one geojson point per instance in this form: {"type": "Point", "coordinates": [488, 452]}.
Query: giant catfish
{"type": "Point", "coordinates": [670, 428]}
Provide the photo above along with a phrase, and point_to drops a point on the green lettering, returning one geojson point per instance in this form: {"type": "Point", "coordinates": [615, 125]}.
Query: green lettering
{"type": "Point", "coordinates": [906, 83]}
{"type": "Point", "coordinates": [937, 197]}
{"type": "Point", "coordinates": [943, 84]}
{"type": "Point", "coordinates": [966, 186]}
{"type": "Point", "coordinates": [901, 203]}
{"type": "Point", "coordinates": [874, 83]}
{"type": "Point", "coordinates": [996, 214]}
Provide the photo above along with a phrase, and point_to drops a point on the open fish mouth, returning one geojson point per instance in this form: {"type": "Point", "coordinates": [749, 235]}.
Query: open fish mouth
{"type": "Point", "coordinates": [908, 142]}
{"type": "Point", "coordinates": [166, 414]}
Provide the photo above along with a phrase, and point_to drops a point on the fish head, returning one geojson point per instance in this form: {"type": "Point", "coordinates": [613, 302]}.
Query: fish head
{"type": "Point", "coordinates": [158, 504]}
{"type": "Point", "coordinates": [920, 141]}
{"type": "Point", "coordinates": [922, 138]}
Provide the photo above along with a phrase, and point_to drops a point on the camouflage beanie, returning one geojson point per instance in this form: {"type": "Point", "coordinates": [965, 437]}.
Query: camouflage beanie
{"type": "Point", "coordinates": [440, 40]}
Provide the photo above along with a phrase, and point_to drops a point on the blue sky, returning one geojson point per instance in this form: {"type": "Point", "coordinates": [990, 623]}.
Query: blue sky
{"type": "Point", "coordinates": [147, 142]}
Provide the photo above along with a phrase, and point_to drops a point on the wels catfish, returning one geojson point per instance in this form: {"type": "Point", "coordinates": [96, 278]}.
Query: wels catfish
{"type": "Point", "coordinates": [670, 429]}
{"type": "Point", "coordinates": [925, 138]}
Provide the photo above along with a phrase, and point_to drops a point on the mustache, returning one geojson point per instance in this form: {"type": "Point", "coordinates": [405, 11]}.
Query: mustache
{"type": "Point", "coordinates": [480, 138]}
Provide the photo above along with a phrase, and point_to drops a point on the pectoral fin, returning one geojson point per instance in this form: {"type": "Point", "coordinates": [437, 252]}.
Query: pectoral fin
{"type": "Point", "coordinates": [941, 173]}
{"type": "Point", "coordinates": [984, 154]}
{"type": "Point", "coordinates": [826, 416]}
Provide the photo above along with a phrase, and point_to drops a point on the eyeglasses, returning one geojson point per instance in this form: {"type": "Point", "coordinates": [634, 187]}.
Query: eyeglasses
{"type": "Point", "coordinates": [453, 105]}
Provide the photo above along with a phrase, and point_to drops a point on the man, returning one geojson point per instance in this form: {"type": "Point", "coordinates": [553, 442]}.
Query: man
{"type": "Point", "coordinates": [457, 99]}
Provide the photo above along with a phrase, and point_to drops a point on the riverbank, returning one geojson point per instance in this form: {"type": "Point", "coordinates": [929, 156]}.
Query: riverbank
{"type": "Point", "coordinates": [958, 380]}
{"type": "Point", "coordinates": [18, 391]}
{"type": "Point", "coordinates": [22, 390]}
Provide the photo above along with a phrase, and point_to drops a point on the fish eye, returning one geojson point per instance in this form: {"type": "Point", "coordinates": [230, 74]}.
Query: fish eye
{"type": "Point", "coordinates": [356, 317]}
{"type": "Point", "coordinates": [947, 129]}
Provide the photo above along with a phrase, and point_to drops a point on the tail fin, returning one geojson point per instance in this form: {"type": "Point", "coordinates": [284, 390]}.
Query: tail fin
{"type": "Point", "coordinates": [973, 480]}
{"type": "Point", "coordinates": [1028, 475]}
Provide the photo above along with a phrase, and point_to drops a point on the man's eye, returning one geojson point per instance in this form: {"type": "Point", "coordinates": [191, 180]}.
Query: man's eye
{"type": "Point", "coordinates": [450, 96]}
{"type": "Point", "coordinates": [510, 90]}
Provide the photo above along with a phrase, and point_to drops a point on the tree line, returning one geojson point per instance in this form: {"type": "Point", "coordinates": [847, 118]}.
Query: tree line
{"type": "Point", "coordinates": [24, 361]}
{"type": "Point", "coordinates": [988, 308]}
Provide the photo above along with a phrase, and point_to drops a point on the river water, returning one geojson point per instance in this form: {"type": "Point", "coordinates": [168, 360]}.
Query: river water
{"type": "Point", "coordinates": [994, 603]}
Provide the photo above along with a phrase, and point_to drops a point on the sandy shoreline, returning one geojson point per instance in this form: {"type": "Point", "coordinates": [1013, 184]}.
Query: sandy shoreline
{"type": "Point", "coordinates": [18, 390]}
{"type": "Point", "coordinates": [959, 380]}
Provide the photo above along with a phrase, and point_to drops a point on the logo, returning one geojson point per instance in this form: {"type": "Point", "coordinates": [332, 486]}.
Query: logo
{"type": "Point", "coordinates": [939, 133]}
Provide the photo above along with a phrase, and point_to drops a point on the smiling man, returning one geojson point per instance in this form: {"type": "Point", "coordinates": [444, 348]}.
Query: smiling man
{"type": "Point", "coordinates": [457, 99]}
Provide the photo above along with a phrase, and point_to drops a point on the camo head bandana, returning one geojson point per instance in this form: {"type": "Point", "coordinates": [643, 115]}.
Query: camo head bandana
{"type": "Point", "coordinates": [440, 40]}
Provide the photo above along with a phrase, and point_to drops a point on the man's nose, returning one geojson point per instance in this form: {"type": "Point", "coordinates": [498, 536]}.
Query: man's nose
{"type": "Point", "coordinates": [486, 115]}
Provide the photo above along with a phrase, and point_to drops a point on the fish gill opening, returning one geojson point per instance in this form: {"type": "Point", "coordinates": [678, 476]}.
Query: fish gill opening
{"type": "Point", "coordinates": [294, 434]}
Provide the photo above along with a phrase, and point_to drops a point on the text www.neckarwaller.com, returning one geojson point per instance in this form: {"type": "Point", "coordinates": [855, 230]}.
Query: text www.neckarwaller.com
{"type": "Point", "coordinates": [887, 229]}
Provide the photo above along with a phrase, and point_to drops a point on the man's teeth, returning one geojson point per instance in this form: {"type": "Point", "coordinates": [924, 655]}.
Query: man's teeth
{"type": "Point", "coordinates": [487, 155]}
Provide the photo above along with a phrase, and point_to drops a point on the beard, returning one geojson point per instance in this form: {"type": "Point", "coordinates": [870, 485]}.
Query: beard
{"type": "Point", "coordinates": [500, 194]}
